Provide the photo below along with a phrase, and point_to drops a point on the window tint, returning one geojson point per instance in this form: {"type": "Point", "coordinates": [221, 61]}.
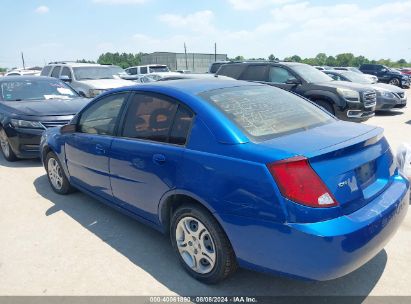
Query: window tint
{"type": "Point", "coordinates": [56, 72]}
{"type": "Point", "coordinates": [46, 71]}
{"type": "Point", "coordinates": [101, 117]}
{"type": "Point", "coordinates": [280, 75]}
{"type": "Point", "coordinates": [181, 126]}
{"type": "Point", "coordinates": [275, 112]}
{"type": "Point", "coordinates": [66, 72]}
{"type": "Point", "coordinates": [149, 117]}
{"type": "Point", "coordinates": [255, 73]}
{"type": "Point", "coordinates": [231, 70]}
{"type": "Point", "coordinates": [143, 70]}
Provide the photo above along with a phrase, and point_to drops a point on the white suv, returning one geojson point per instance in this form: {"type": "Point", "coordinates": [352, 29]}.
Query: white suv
{"type": "Point", "coordinates": [89, 80]}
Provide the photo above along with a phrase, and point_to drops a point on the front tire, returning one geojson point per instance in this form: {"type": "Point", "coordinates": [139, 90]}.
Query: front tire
{"type": "Point", "coordinates": [6, 148]}
{"type": "Point", "coordinates": [201, 244]}
{"type": "Point", "coordinates": [395, 81]}
{"type": "Point", "coordinates": [56, 176]}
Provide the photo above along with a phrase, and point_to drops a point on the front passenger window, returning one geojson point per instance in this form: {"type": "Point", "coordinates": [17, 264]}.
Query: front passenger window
{"type": "Point", "coordinates": [101, 117]}
{"type": "Point", "coordinates": [280, 75]}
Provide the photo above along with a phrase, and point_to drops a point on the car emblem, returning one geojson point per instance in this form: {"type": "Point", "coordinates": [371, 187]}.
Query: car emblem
{"type": "Point", "coordinates": [351, 182]}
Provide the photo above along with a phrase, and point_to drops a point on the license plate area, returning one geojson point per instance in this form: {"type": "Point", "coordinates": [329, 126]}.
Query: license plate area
{"type": "Point", "coordinates": [366, 174]}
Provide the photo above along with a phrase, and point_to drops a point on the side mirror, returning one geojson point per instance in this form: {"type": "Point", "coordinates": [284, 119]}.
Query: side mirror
{"type": "Point", "coordinates": [293, 81]}
{"type": "Point", "coordinates": [65, 78]}
{"type": "Point", "coordinates": [67, 129]}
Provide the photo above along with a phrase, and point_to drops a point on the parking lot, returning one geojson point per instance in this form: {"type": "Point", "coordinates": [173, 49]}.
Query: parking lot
{"type": "Point", "coordinates": [74, 245]}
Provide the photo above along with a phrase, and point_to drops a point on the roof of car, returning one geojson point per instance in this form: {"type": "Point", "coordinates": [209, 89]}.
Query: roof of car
{"type": "Point", "coordinates": [257, 62]}
{"type": "Point", "coordinates": [78, 64]}
{"type": "Point", "coordinates": [193, 86]}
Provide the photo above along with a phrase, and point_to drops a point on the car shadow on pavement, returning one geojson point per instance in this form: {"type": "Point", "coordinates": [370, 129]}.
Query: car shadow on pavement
{"type": "Point", "coordinates": [389, 113]}
{"type": "Point", "coordinates": [152, 251]}
{"type": "Point", "coordinates": [22, 163]}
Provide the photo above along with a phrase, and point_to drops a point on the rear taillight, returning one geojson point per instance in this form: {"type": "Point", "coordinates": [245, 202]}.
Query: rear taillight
{"type": "Point", "coordinates": [300, 183]}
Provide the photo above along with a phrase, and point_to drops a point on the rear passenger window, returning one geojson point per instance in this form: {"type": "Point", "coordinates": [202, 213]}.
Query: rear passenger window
{"type": "Point", "coordinates": [255, 73]}
{"type": "Point", "coordinates": [149, 117]}
{"type": "Point", "coordinates": [56, 71]}
{"type": "Point", "coordinates": [181, 126]}
{"type": "Point", "coordinates": [46, 71]}
{"type": "Point", "coordinates": [231, 70]}
{"type": "Point", "coordinates": [143, 70]}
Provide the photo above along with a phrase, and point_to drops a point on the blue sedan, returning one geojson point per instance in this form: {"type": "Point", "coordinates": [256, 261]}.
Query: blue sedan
{"type": "Point", "coordinates": [237, 173]}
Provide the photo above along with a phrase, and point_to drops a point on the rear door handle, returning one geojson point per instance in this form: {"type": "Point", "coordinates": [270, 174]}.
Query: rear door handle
{"type": "Point", "coordinates": [159, 159]}
{"type": "Point", "coordinates": [100, 149]}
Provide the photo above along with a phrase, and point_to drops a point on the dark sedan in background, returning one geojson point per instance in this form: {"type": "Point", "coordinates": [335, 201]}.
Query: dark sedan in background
{"type": "Point", "coordinates": [28, 106]}
{"type": "Point", "coordinates": [388, 96]}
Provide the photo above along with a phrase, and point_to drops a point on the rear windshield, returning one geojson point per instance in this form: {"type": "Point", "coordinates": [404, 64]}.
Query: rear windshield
{"type": "Point", "coordinates": [265, 112]}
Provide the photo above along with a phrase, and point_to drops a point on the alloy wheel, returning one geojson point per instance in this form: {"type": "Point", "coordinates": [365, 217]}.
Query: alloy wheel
{"type": "Point", "coordinates": [55, 174]}
{"type": "Point", "coordinates": [395, 82]}
{"type": "Point", "coordinates": [195, 245]}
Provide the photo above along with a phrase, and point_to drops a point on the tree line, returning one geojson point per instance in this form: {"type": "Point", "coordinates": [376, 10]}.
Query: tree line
{"type": "Point", "coordinates": [126, 60]}
{"type": "Point", "coordinates": [344, 59]}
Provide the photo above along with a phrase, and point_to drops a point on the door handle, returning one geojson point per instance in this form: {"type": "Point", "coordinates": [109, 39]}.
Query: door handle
{"type": "Point", "coordinates": [159, 159]}
{"type": "Point", "coordinates": [100, 149]}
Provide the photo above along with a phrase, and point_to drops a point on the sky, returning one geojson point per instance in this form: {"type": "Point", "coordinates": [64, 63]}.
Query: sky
{"type": "Point", "coordinates": [49, 30]}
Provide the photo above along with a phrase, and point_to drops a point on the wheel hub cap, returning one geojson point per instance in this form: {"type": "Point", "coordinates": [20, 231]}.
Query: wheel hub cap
{"type": "Point", "coordinates": [195, 245]}
{"type": "Point", "coordinates": [55, 174]}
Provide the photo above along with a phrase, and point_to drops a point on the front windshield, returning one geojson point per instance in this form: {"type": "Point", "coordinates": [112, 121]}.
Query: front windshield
{"type": "Point", "coordinates": [358, 78]}
{"type": "Point", "coordinates": [161, 68]}
{"type": "Point", "coordinates": [96, 72]}
{"type": "Point", "coordinates": [310, 74]}
{"type": "Point", "coordinates": [35, 89]}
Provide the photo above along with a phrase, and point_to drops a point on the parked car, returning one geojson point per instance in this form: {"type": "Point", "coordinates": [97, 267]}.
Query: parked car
{"type": "Point", "coordinates": [147, 69]}
{"type": "Point", "coordinates": [372, 78]}
{"type": "Point", "coordinates": [184, 71]}
{"type": "Point", "coordinates": [139, 78]}
{"type": "Point", "coordinates": [194, 76]}
{"type": "Point", "coordinates": [388, 96]}
{"type": "Point", "coordinates": [406, 71]}
{"type": "Point", "coordinates": [213, 68]}
{"type": "Point", "coordinates": [28, 106]}
{"type": "Point", "coordinates": [23, 72]}
{"type": "Point", "coordinates": [386, 75]}
{"type": "Point", "coordinates": [323, 68]}
{"type": "Point", "coordinates": [89, 80]}
{"type": "Point", "coordinates": [237, 173]}
{"type": "Point", "coordinates": [347, 101]}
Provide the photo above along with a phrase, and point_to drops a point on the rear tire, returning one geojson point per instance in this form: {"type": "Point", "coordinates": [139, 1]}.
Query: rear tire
{"type": "Point", "coordinates": [56, 176]}
{"type": "Point", "coordinates": [6, 148]}
{"type": "Point", "coordinates": [325, 105]}
{"type": "Point", "coordinates": [201, 244]}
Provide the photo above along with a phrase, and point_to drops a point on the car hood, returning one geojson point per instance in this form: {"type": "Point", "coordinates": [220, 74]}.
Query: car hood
{"type": "Point", "coordinates": [106, 84]}
{"type": "Point", "coordinates": [51, 107]}
{"type": "Point", "coordinates": [347, 85]}
{"type": "Point", "coordinates": [388, 87]}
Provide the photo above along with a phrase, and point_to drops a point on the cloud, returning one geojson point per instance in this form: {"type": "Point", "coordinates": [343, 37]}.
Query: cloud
{"type": "Point", "coordinates": [248, 5]}
{"type": "Point", "coordinates": [200, 20]}
{"type": "Point", "coordinates": [294, 28]}
{"type": "Point", "coordinates": [115, 2]}
{"type": "Point", "coordinates": [42, 9]}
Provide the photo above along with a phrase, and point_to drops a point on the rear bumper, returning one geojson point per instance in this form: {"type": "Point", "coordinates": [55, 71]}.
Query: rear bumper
{"type": "Point", "coordinates": [323, 250]}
